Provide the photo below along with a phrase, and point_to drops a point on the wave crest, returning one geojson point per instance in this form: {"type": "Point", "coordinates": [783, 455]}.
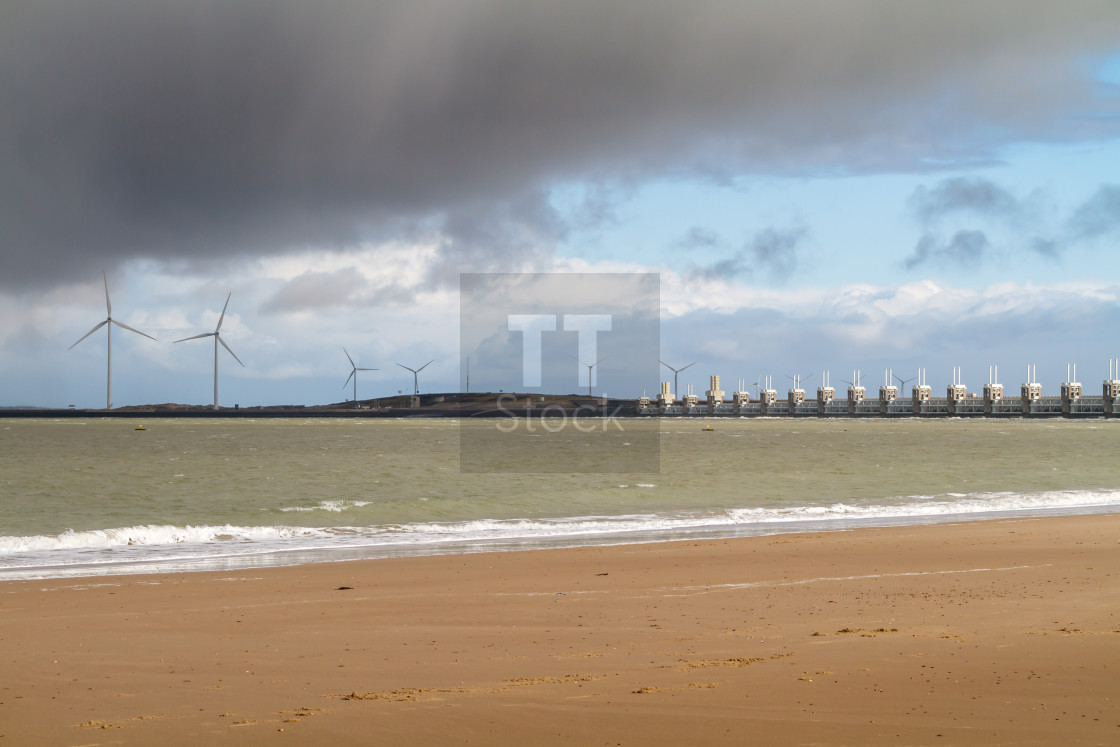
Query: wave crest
{"type": "Point", "coordinates": [150, 534]}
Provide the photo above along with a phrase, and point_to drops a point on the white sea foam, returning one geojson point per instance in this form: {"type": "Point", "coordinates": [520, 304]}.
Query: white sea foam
{"type": "Point", "coordinates": [335, 506]}
{"type": "Point", "coordinates": [150, 534]}
{"type": "Point", "coordinates": [151, 548]}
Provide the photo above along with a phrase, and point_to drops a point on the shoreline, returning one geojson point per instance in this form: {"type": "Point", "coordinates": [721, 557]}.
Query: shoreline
{"type": "Point", "coordinates": [973, 632]}
{"type": "Point", "coordinates": [284, 558]}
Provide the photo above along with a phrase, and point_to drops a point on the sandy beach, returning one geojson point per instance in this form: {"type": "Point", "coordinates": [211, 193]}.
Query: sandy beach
{"type": "Point", "coordinates": [996, 632]}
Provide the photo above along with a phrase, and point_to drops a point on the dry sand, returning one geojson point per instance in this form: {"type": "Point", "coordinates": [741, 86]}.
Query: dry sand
{"type": "Point", "coordinates": [979, 633]}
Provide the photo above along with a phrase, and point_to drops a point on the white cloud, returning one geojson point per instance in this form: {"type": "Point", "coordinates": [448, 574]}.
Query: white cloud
{"type": "Point", "coordinates": [732, 329]}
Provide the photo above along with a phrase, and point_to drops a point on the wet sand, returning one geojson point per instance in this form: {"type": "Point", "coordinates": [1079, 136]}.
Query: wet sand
{"type": "Point", "coordinates": [979, 633]}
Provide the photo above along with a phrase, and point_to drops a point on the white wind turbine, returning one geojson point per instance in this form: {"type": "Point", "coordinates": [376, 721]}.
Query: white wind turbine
{"type": "Point", "coordinates": [108, 324]}
{"type": "Point", "coordinates": [676, 373]}
{"type": "Point", "coordinates": [354, 374]}
{"type": "Point", "coordinates": [589, 367]}
{"type": "Point", "coordinates": [217, 338]}
{"type": "Point", "coordinates": [416, 376]}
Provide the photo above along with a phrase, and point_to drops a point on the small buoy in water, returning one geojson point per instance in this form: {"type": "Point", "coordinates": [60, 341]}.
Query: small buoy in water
{"type": "Point", "coordinates": [139, 428]}
{"type": "Point", "coordinates": [708, 428]}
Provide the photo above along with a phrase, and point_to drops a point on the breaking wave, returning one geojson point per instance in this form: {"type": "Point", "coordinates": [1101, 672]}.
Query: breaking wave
{"type": "Point", "coordinates": [156, 548]}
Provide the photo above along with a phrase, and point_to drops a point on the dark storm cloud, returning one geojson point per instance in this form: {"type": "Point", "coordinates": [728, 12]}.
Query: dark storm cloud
{"type": "Point", "coordinates": [986, 201]}
{"type": "Point", "coordinates": [979, 200]}
{"type": "Point", "coordinates": [698, 237]}
{"type": "Point", "coordinates": [501, 235]}
{"type": "Point", "coordinates": [776, 250]}
{"type": "Point", "coordinates": [210, 129]}
{"type": "Point", "coordinates": [771, 251]}
{"type": "Point", "coordinates": [965, 248]}
{"type": "Point", "coordinates": [974, 195]}
{"type": "Point", "coordinates": [724, 269]}
{"type": "Point", "coordinates": [1098, 216]}
{"type": "Point", "coordinates": [597, 207]}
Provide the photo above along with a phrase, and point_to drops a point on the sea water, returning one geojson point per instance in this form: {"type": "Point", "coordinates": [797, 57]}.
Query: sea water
{"type": "Point", "coordinates": [95, 497]}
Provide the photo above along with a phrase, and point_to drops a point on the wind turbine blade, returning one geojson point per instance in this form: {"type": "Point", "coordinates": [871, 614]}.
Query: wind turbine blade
{"type": "Point", "coordinates": [222, 317]}
{"type": "Point", "coordinates": [349, 358]}
{"type": "Point", "coordinates": [406, 368]}
{"type": "Point", "coordinates": [350, 377]}
{"type": "Point", "coordinates": [367, 369]}
{"type": "Point", "coordinates": [424, 366]}
{"type": "Point", "coordinates": [87, 334]}
{"type": "Point", "coordinates": [663, 363]}
{"type": "Point", "coordinates": [690, 365]}
{"type": "Point", "coordinates": [596, 363]}
{"type": "Point", "coordinates": [228, 348]}
{"type": "Point", "coordinates": [196, 337]}
{"type": "Point", "coordinates": [122, 325]}
{"type": "Point", "coordinates": [108, 306]}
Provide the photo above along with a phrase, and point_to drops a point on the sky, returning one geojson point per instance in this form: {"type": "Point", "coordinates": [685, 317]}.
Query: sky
{"type": "Point", "coordinates": [820, 186]}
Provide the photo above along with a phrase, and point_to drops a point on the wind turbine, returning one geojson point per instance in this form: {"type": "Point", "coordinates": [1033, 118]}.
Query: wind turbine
{"type": "Point", "coordinates": [857, 376]}
{"type": "Point", "coordinates": [799, 380]}
{"type": "Point", "coordinates": [416, 376]}
{"type": "Point", "coordinates": [676, 386]}
{"type": "Point", "coordinates": [354, 374]}
{"type": "Point", "coordinates": [108, 324]}
{"type": "Point", "coordinates": [589, 367]}
{"type": "Point", "coordinates": [217, 338]}
{"type": "Point", "coordinates": [902, 383]}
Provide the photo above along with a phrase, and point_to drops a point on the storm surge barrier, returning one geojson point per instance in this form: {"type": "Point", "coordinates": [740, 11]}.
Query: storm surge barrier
{"type": "Point", "coordinates": [958, 402]}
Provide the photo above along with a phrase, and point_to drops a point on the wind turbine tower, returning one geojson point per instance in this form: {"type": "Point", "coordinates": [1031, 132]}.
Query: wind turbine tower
{"type": "Point", "coordinates": [676, 372]}
{"type": "Point", "coordinates": [354, 375]}
{"type": "Point", "coordinates": [217, 338]}
{"type": "Point", "coordinates": [415, 381]}
{"type": "Point", "coordinates": [108, 324]}
{"type": "Point", "coordinates": [901, 382]}
{"type": "Point", "coordinates": [589, 367]}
